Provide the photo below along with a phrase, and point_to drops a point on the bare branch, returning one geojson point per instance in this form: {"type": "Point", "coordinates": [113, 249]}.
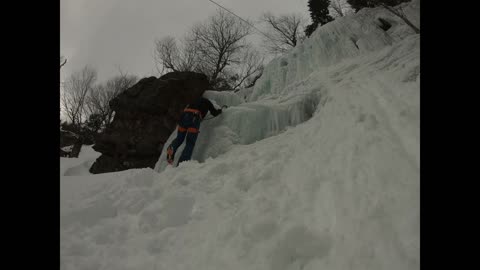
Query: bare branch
{"type": "Point", "coordinates": [216, 48]}
{"type": "Point", "coordinates": [251, 65]}
{"type": "Point", "coordinates": [76, 90]}
{"type": "Point", "coordinates": [398, 11]}
{"type": "Point", "coordinates": [166, 52]}
{"type": "Point", "coordinates": [219, 43]}
{"type": "Point", "coordinates": [101, 95]}
{"type": "Point", "coordinates": [284, 31]}
{"type": "Point", "coordinates": [339, 8]}
{"type": "Point", "coordinates": [395, 10]}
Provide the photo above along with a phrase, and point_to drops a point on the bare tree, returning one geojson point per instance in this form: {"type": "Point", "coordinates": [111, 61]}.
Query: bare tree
{"type": "Point", "coordinates": [97, 99]}
{"type": "Point", "coordinates": [340, 8]}
{"type": "Point", "coordinates": [166, 53]}
{"type": "Point", "coordinates": [285, 31]}
{"type": "Point", "coordinates": [189, 54]}
{"type": "Point", "coordinates": [251, 64]}
{"type": "Point", "coordinates": [75, 93]}
{"type": "Point", "coordinates": [173, 57]}
{"type": "Point", "coordinates": [219, 43]}
{"type": "Point", "coordinates": [217, 48]}
{"type": "Point", "coordinates": [101, 95]}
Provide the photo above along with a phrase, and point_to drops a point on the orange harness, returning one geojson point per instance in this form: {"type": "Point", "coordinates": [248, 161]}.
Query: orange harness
{"type": "Point", "coordinates": [195, 111]}
{"type": "Point", "coordinates": [190, 130]}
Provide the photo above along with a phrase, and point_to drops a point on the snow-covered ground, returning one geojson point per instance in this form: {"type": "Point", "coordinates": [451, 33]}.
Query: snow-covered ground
{"type": "Point", "coordinates": [316, 167]}
{"type": "Point", "coordinates": [80, 165]}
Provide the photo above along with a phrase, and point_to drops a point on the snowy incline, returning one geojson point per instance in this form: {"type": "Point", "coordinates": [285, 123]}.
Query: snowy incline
{"type": "Point", "coordinates": [316, 167]}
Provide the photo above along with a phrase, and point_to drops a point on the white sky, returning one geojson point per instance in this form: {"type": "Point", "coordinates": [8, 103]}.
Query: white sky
{"type": "Point", "coordinates": [107, 34]}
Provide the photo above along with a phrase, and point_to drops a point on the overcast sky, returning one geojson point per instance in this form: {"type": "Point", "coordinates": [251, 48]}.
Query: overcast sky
{"type": "Point", "coordinates": [107, 34]}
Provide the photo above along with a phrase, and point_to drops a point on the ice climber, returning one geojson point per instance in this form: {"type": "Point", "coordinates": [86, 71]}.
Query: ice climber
{"type": "Point", "coordinates": [188, 128]}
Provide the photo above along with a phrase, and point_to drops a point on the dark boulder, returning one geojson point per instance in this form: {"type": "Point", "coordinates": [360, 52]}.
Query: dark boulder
{"type": "Point", "coordinates": [145, 116]}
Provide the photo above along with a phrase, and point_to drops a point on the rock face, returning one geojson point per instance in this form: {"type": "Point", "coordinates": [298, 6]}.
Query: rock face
{"type": "Point", "coordinates": [68, 141]}
{"type": "Point", "coordinates": [145, 116]}
{"type": "Point", "coordinates": [67, 138]}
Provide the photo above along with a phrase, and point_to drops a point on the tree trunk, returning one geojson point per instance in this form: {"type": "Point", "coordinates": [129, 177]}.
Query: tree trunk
{"type": "Point", "coordinates": [77, 147]}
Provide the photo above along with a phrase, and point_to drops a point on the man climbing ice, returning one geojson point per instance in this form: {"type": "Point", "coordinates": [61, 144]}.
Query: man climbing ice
{"type": "Point", "coordinates": [188, 128]}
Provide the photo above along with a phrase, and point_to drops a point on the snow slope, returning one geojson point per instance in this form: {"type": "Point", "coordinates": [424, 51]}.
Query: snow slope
{"type": "Point", "coordinates": [80, 165]}
{"type": "Point", "coordinates": [316, 167]}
